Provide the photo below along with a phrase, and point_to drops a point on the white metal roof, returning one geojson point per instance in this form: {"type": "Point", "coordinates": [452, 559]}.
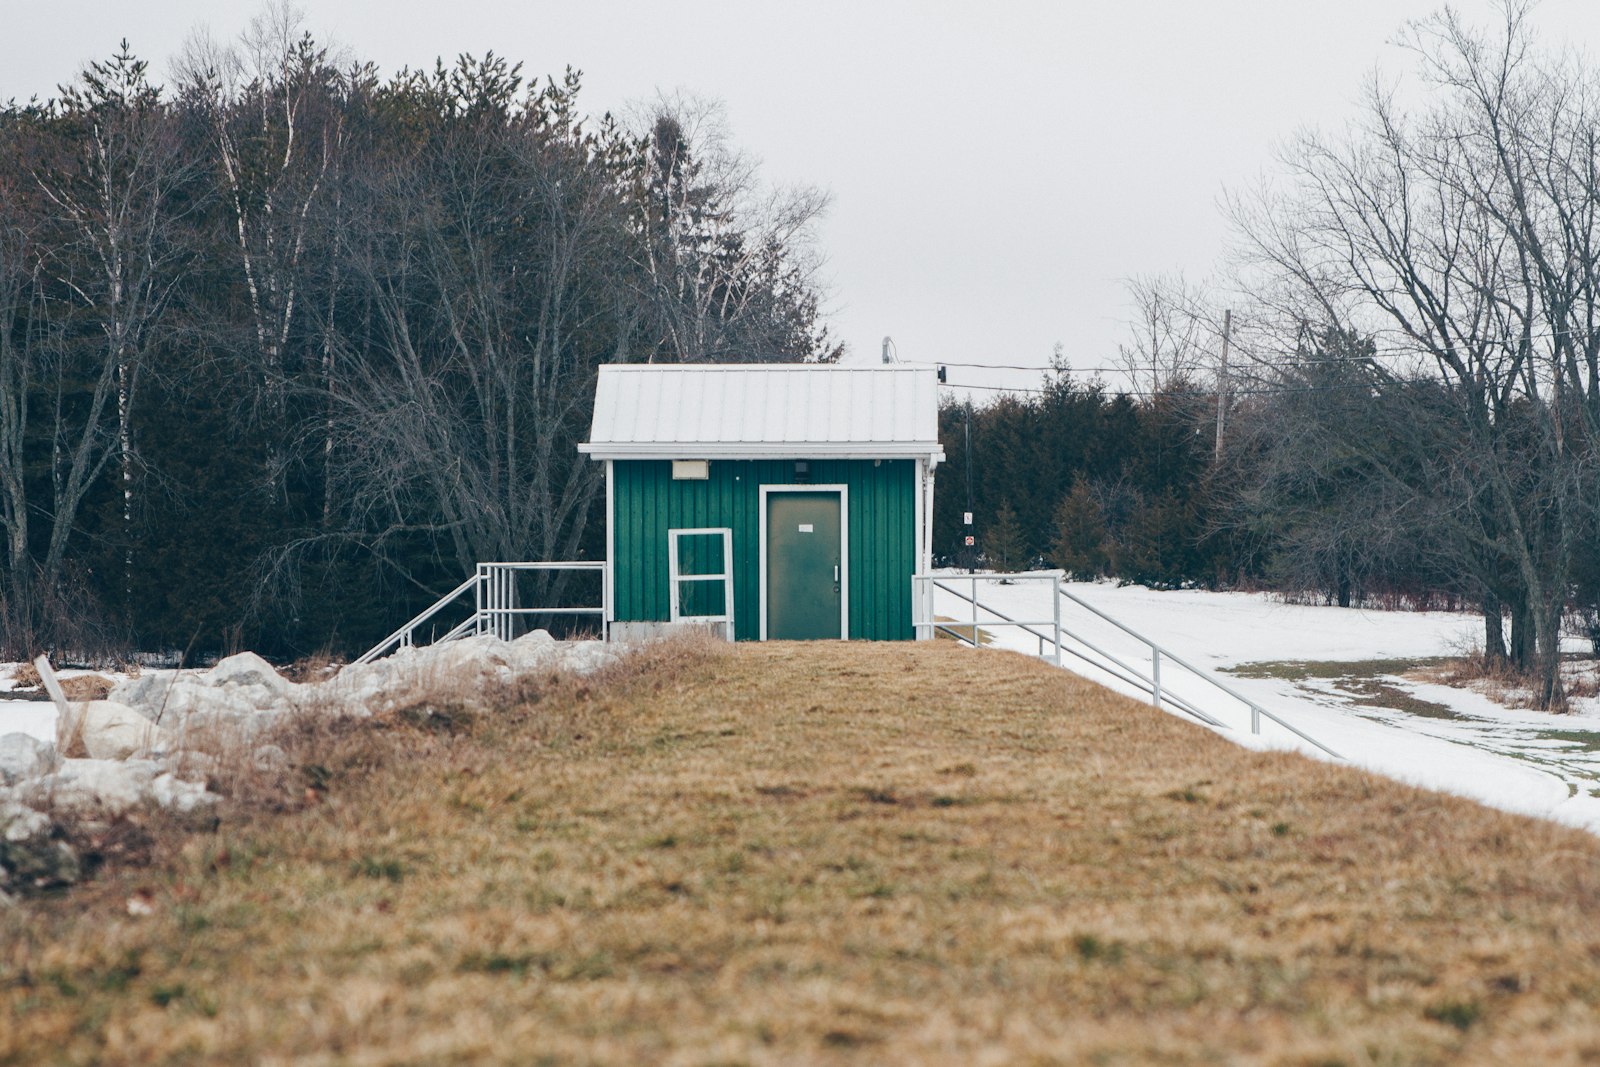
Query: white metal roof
{"type": "Point", "coordinates": [745, 410]}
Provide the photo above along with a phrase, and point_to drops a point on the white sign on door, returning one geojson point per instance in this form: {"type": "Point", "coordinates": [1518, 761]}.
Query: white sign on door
{"type": "Point", "coordinates": [806, 527]}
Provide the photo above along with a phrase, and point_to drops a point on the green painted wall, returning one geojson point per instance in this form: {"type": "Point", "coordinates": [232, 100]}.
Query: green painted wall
{"type": "Point", "coordinates": [882, 537]}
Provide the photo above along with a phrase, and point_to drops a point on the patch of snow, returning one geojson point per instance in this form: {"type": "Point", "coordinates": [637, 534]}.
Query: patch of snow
{"type": "Point", "coordinates": [36, 718]}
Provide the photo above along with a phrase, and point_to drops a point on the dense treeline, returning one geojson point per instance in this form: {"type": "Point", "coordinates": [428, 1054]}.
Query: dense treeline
{"type": "Point", "coordinates": [1112, 484]}
{"type": "Point", "coordinates": [286, 346]}
{"type": "Point", "coordinates": [1076, 476]}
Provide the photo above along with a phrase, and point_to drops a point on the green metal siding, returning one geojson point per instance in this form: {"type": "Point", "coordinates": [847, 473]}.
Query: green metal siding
{"type": "Point", "coordinates": [882, 535]}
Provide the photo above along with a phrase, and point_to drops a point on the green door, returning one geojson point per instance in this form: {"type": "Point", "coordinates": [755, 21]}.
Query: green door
{"type": "Point", "coordinates": [804, 569]}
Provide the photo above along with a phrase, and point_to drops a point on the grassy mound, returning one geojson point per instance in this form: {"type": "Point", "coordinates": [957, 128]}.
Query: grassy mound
{"type": "Point", "coordinates": [823, 853]}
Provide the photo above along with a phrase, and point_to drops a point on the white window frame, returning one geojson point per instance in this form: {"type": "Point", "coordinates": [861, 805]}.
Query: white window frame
{"type": "Point", "coordinates": [726, 577]}
{"type": "Point", "coordinates": [844, 548]}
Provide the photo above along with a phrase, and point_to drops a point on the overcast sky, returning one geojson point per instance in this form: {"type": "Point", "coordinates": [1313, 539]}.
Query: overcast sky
{"type": "Point", "coordinates": [997, 170]}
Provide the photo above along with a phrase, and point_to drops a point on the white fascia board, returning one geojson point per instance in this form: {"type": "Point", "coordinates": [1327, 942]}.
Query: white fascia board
{"type": "Point", "coordinates": [774, 450]}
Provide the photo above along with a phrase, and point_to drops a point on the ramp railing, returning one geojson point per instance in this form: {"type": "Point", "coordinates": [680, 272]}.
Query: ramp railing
{"type": "Point", "coordinates": [1058, 640]}
{"type": "Point", "coordinates": [496, 606]}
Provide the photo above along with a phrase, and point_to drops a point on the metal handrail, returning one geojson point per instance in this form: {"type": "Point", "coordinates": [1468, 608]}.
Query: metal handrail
{"type": "Point", "coordinates": [497, 591]}
{"type": "Point", "coordinates": [1122, 671]}
{"type": "Point", "coordinates": [1117, 668]}
{"type": "Point", "coordinates": [402, 636]}
{"type": "Point", "coordinates": [491, 587]}
{"type": "Point", "coordinates": [1257, 712]}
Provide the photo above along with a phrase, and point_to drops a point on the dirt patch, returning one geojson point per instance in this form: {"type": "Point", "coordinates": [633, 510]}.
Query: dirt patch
{"type": "Point", "coordinates": [1297, 670]}
{"type": "Point", "coordinates": [1361, 681]}
{"type": "Point", "coordinates": [1376, 693]}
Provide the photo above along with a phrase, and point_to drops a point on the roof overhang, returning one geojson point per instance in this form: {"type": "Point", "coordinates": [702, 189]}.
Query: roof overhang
{"type": "Point", "coordinates": [931, 451]}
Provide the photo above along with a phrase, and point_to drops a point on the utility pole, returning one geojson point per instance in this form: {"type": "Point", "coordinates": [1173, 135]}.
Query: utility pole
{"type": "Point", "coordinates": [972, 555]}
{"type": "Point", "coordinates": [1222, 382]}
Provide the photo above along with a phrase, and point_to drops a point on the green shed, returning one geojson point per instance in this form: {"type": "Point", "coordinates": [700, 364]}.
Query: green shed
{"type": "Point", "coordinates": [778, 501]}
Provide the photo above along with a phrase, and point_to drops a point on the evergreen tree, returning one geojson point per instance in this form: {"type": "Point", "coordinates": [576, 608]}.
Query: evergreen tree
{"type": "Point", "coordinates": [1080, 534]}
{"type": "Point", "coordinates": [1006, 550]}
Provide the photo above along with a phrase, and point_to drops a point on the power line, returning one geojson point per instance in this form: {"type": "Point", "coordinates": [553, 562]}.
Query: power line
{"type": "Point", "coordinates": [1378, 352]}
{"type": "Point", "coordinates": [1266, 390]}
{"type": "Point", "coordinates": [1257, 361]}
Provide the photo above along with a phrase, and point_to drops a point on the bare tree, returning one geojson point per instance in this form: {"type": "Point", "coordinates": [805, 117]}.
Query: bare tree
{"type": "Point", "coordinates": [271, 106]}
{"type": "Point", "coordinates": [730, 264]}
{"type": "Point", "coordinates": [1462, 237]}
{"type": "Point", "coordinates": [105, 171]}
{"type": "Point", "coordinates": [1173, 336]}
{"type": "Point", "coordinates": [496, 261]}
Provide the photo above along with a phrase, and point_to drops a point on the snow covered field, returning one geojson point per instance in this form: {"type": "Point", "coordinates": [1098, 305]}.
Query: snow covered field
{"type": "Point", "coordinates": [1431, 735]}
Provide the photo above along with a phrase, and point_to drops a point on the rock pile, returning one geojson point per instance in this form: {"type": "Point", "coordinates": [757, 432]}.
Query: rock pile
{"type": "Point", "coordinates": [154, 734]}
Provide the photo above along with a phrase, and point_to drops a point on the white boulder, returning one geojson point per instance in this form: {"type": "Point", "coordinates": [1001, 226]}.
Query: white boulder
{"type": "Point", "coordinates": [533, 651]}
{"type": "Point", "coordinates": [586, 657]}
{"type": "Point", "coordinates": [196, 715]}
{"type": "Point", "coordinates": [112, 730]}
{"type": "Point", "coordinates": [20, 824]}
{"type": "Point", "coordinates": [250, 679]}
{"type": "Point", "coordinates": [244, 682]}
{"type": "Point", "coordinates": [222, 726]}
{"type": "Point", "coordinates": [190, 698]}
{"type": "Point", "coordinates": [148, 692]}
{"type": "Point", "coordinates": [24, 756]}
{"type": "Point", "coordinates": [175, 794]}
{"type": "Point", "coordinates": [97, 787]}
{"type": "Point", "coordinates": [248, 670]}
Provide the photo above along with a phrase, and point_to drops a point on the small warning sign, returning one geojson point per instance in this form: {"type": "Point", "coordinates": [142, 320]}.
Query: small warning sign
{"type": "Point", "coordinates": [971, 540]}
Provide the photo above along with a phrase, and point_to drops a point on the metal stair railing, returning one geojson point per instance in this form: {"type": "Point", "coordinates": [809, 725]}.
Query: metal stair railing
{"type": "Point", "coordinates": [1108, 663]}
{"type": "Point", "coordinates": [497, 600]}
{"type": "Point", "coordinates": [1058, 637]}
{"type": "Point", "coordinates": [494, 606]}
{"type": "Point", "coordinates": [1257, 712]}
{"type": "Point", "coordinates": [402, 637]}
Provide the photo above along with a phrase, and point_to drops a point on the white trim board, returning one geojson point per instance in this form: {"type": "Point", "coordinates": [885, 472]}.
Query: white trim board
{"type": "Point", "coordinates": [668, 450]}
{"type": "Point", "coordinates": [610, 576]}
{"type": "Point", "coordinates": [844, 549]}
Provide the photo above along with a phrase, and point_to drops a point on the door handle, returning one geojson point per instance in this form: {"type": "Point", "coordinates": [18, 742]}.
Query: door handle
{"type": "Point", "coordinates": [835, 577]}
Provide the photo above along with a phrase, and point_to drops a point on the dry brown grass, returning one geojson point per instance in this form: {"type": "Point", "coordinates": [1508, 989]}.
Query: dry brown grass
{"type": "Point", "coordinates": [1503, 684]}
{"type": "Point", "coordinates": [955, 630]}
{"type": "Point", "coordinates": [26, 676]}
{"type": "Point", "coordinates": [317, 667]}
{"type": "Point", "coordinates": [826, 854]}
{"type": "Point", "coordinates": [86, 687]}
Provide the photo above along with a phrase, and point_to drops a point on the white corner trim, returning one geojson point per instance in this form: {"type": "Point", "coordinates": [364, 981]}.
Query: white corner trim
{"type": "Point", "coordinates": [610, 574]}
